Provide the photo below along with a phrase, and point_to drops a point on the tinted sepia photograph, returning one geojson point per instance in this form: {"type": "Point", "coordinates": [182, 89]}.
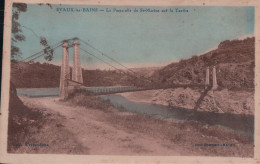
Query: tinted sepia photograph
{"type": "Point", "coordinates": [132, 80]}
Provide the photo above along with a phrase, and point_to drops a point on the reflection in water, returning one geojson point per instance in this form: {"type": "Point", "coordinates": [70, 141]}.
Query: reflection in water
{"type": "Point", "coordinates": [38, 92]}
{"type": "Point", "coordinates": [243, 124]}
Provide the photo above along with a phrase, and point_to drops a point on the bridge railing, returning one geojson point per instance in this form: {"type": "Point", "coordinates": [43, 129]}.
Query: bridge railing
{"type": "Point", "coordinates": [112, 89]}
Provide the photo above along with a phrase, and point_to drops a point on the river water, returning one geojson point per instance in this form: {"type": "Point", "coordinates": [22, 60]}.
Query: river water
{"type": "Point", "coordinates": [38, 92]}
{"type": "Point", "coordinates": [54, 92]}
{"type": "Point", "coordinates": [242, 124]}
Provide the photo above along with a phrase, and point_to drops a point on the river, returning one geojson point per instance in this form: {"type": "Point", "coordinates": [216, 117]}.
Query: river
{"type": "Point", "coordinates": [242, 124]}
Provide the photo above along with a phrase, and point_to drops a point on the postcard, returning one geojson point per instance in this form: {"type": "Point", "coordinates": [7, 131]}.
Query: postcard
{"type": "Point", "coordinates": [130, 81]}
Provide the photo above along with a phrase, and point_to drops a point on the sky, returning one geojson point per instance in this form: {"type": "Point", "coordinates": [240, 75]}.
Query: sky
{"type": "Point", "coordinates": [135, 39]}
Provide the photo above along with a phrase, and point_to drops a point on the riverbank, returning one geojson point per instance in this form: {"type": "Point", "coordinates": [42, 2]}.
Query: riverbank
{"type": "Point", "coordinates": [99, 129]}
{"type": "Point", "coordinates": [219, 101]}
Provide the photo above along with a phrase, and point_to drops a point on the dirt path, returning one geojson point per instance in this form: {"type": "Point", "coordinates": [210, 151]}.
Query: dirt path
{"type": "Point", "coordinates": [91, 130]}
{"type": "Point", "coordinates": [109, 132]}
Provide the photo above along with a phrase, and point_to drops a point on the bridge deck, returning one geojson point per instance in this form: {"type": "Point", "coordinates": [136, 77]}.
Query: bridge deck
{"type": "Point", "coordinates": [121, 89]}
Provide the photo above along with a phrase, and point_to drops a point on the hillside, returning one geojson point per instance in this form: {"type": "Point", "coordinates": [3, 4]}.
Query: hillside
{"type": "Point", "coordinates": [145, 71]}
{"type": "Point", "coordinates": [234, 61]}
{"type": "Point", "coordinates": [37, 75]}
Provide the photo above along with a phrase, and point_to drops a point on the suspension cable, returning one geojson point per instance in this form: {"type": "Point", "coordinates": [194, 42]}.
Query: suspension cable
{"type": "Point", "coordinates": [103, 54]}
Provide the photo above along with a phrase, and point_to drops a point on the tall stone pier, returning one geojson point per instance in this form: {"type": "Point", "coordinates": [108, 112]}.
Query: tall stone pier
{"type": "Point", "coordinates": [207, 77]}
{"type": "Point", "coordinates": [77, 71]}
{"type": "Point", "coordinates": [65, 72]}
{"type": "Point", "coordinates": [215, 84]}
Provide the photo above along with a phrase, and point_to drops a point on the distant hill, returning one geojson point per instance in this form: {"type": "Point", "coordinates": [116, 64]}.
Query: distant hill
{"type": "Point", "coordinates": [234, 61]}
{"type": "Point", "coordinates": [38, 75]}
{"type": "Point", "coordinates": [145, 71]}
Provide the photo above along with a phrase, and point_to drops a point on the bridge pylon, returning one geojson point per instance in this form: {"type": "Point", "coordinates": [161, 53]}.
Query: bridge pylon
{"type": "Point", "coordinates": [214, 74]}
{"type": "Point", "coordinates": [65, 72]}
{"type": "Point", "coordinates": [207, 77]}
{"type": "Point", "coordinates": [214, 78]}
{"type": "Point", "coordinates": [77, 71]}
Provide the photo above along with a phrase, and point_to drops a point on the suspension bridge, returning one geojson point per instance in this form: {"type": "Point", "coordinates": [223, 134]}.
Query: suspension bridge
{"type": "Point", "coordinates": [69, 84]}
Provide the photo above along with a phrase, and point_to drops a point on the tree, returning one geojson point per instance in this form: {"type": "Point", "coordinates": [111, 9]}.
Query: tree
{"type": "Point", "coordinates": [17, 34]}
{"type": "Point", "coordinates": [16, 29]}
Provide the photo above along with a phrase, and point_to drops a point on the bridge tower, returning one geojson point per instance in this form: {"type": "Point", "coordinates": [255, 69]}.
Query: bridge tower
{"type": "Point", "coordinates": [65, 69]}
{"type": "Point", "coordinates": [215, 84]}
{"type": "Point", "coordinates": [65, 72]}
{"type": "Point", "coordinates": [77, 71]}
{"type": "Point", "coordinates": [207, 77]}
